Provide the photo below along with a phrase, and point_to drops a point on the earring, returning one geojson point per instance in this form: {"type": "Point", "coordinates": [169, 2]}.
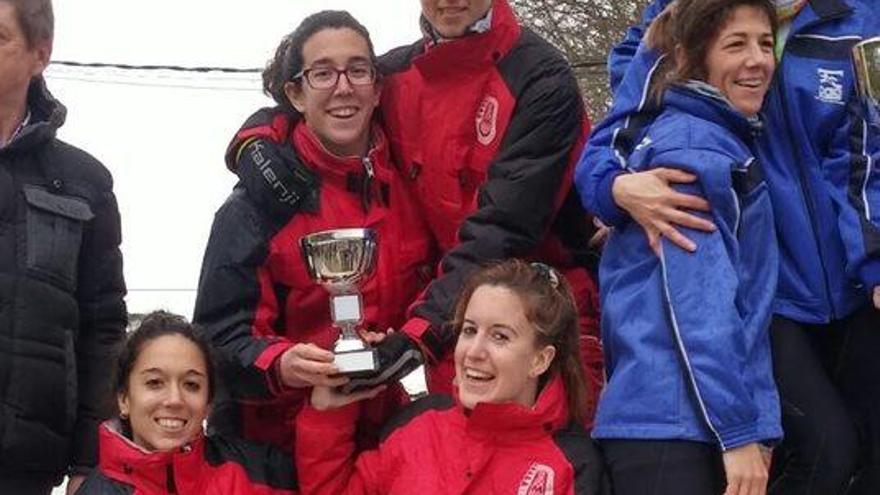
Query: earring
{"type": "Point", "coordinates": [123, 416]}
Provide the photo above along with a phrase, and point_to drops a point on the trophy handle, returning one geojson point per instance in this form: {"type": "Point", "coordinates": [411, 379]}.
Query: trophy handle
{"type": "Point", "coordinates": [866, 64]}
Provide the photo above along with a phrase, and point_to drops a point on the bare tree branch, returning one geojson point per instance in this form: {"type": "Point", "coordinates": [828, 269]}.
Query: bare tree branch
{"type": "Point", "coordinates": [585, 31]}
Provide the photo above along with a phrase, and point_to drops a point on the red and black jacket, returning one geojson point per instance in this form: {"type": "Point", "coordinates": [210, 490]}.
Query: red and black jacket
{"type": "Point", "coordinates": [256, 298]}
{"type": "Point", "coordinates": [437, 447]}
{"type": "Point", "coordinates": [207, 466]}
{"type": "Point", "coordinates": [487, 129]}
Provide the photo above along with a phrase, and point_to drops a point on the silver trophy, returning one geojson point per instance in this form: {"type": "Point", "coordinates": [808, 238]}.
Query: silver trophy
{"type": "Point", "coordinates": [866, 60]}
{"type": "Point", "coordinates": [339, 260]}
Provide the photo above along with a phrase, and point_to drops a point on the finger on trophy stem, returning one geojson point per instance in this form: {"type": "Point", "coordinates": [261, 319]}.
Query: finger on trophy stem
{"type": "Point", "coordinates": [312, 352]}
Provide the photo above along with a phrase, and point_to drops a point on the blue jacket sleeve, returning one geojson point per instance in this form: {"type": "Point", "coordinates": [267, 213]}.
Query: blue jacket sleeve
{"type": "Point", "coordinates": [605, 156]}
{"type": "Point", "coordinates": [851, 168]}
{"type": "Point", "coordinates": [630, 67]}
{"type": "Point", "coordinates": [710, 332]}
{"type": "Point", "coordinates": [620, 56]}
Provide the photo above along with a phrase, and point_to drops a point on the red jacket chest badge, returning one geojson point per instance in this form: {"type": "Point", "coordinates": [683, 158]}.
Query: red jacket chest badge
{"type": "Point", "coordinates": [487, 120]}
{"type": "Point", "coordinates": [537, 481]}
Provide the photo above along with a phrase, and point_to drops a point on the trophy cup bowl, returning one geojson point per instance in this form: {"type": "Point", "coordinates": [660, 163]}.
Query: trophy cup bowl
{"type": "Point", "coordinates": [339, 260]}
{"type": "Point", "coordinates": [866, 62]}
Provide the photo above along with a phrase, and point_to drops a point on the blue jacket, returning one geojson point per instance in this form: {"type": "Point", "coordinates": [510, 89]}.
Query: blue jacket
{"type": "Point", "coordinates": [819, 158]}
{"type": "Point", "coordinates": [686, 337]}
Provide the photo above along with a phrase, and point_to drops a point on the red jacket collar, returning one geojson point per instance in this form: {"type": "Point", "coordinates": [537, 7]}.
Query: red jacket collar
{"type": "Point", "coordinates": [313, 153]}
{"type": "Point", "coordinates": [122, 460]}
{"type": "Point", "coordinates": [549, 414]}
{"type": "Point", "coordinates": [474, 51]}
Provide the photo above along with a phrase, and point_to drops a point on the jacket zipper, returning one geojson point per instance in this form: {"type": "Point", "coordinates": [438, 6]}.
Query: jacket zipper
{"type": "Point", "coordinates": [366, 187]}
{"type": "Point", "coordinates": [802, 174]}
{"type": "Point", "coordinates": [170, 484]}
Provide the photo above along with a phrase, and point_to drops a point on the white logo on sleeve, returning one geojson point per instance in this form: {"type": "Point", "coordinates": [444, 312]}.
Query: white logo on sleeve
{"type": "Point", "coordinates": [487, 120]}
{"type": "Point", "coordinates": [830, 86]}
{"type": "Point", "coordinates": [537, 481]}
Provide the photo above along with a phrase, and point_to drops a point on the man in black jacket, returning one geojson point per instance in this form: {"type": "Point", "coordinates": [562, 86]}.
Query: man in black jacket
{"type": "Point", "coordinates": [61, 288]}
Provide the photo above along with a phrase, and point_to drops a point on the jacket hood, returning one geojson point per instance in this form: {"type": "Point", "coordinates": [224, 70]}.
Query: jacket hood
{"type": "Point", "coordinates": [313, 153]}
{"type": "Point", "coordinates": [123, 460]}
{"type": "Point", "coordinates": [706, 102]}
{"type": "Point", "coordinates": [47, 115]}
{"type": "Point", "coordinates": [474, 51]}
{"type": "Point", "coordinates": [550, 413]}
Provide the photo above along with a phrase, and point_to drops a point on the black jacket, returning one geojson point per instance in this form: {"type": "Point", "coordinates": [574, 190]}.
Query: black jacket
{"type": "Point", "coordinates": [61, 297]}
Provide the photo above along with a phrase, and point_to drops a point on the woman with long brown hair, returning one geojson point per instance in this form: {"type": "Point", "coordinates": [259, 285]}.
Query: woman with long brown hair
{"type": "Point", "coordinates": [514, 425]}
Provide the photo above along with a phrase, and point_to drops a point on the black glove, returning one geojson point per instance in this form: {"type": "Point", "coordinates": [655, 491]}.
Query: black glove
{"type": "Point", "coordinates": [276, 180]}
{"type": "Point", "coordinates": [397, 354]}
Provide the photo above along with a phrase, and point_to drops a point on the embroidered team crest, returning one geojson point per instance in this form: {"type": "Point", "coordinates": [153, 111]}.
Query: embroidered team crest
{"type": "Point", "coordinates": [537, 481]}
{"type": "Point", "coordinates": [487, 120]}
{"type": "Point", "coordinates": [830, 86]}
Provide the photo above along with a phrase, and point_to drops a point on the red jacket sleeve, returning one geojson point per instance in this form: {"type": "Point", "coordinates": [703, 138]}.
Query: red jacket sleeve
{"type": "Point", "coordinates": [326, 457]}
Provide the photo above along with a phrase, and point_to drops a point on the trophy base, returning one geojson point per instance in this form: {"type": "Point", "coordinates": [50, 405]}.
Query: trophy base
{"type": "Point", "coordinates": [361, 362]}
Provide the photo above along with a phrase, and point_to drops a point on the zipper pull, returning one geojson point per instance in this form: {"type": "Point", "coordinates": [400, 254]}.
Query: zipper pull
{"type": "Point", "coordinates": [366, 187]}
{"type": "Point", "coordinates": [368, 166]}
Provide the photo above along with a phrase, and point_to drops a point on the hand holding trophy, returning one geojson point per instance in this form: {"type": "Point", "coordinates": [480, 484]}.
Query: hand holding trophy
{"type": "Point", "coordinates": [340, 260]}
{"type": "Point", "coordinates": [866, 60]}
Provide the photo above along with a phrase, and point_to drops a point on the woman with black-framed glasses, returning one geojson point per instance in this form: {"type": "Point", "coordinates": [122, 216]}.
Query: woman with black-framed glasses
{"type": "Point", "coordinates": [269, 320]}
{"type": "Point", "coordinates": [327, 77]}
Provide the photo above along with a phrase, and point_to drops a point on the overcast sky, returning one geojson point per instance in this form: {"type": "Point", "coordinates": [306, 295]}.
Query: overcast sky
{"type": "Point", "coordinates": [162, 135]}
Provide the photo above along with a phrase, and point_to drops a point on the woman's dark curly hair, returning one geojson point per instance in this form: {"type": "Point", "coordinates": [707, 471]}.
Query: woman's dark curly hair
{"type": "Point", "coordinates": [154, 325]}
{"type": "Point", "coordinates": [288, 60]}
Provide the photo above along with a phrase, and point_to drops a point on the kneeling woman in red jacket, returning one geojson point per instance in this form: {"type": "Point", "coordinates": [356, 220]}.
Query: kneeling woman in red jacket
{"type": "Point", "coordinates": [514, 425]}
{"type": "Point", "coordinates": [164, 385]}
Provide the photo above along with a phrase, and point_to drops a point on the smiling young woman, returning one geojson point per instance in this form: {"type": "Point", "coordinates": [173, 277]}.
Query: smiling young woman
{"type": "Point", "coordinates": [514, 426]}
{"type": "Point", "coordinates": [256, 298]}
{"type": "Point", "coordinates": [166, 395]}
{"type": "Point", "coordinates": [497, 358]}
{"type": "Point", "coordinates": [164, 386]}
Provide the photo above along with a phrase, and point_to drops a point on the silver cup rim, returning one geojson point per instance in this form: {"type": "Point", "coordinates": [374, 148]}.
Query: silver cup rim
{"type": "Point", "coordinates": [323, 236]}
